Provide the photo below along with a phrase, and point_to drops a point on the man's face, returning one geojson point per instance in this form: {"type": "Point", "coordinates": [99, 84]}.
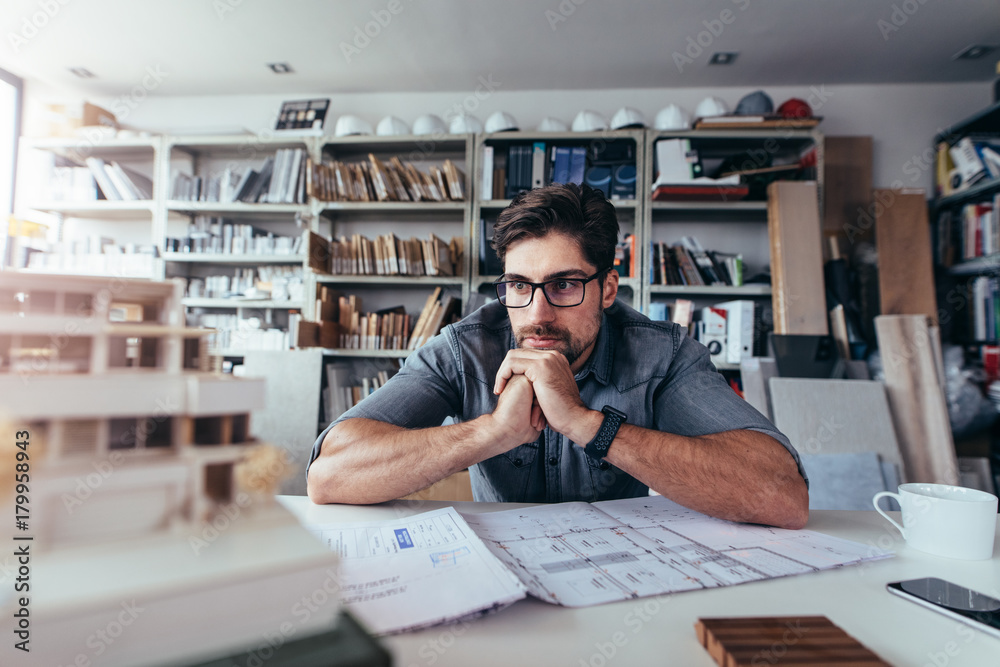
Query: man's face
{"type": "Point", "coordinates": [571, 331]}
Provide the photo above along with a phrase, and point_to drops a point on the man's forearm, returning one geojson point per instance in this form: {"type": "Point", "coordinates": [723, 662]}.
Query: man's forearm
{"type": "Point", "coordinates": [363, 461]}
{"type": "Point", "coordinates": [736, 475]}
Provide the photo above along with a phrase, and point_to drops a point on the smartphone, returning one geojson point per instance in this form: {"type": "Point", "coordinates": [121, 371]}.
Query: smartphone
{"type": "Point", "coordinates": [960, 603]}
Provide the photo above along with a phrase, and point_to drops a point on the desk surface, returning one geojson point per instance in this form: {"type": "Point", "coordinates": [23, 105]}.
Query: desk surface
{"type": "Point", "coordinates": [660, 630]}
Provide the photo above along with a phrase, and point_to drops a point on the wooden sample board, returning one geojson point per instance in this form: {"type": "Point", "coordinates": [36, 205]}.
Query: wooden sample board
{"type": "Point", "coordinates": [911, 355]}
{"type": "Point", "coordinates": [905, 267]}
{"type": "Point", "coordinates": [847, 189]}
{"type": "Point", "coordinates": [798, 290]}
{"type": "Point", "coordinates": [781, 640]}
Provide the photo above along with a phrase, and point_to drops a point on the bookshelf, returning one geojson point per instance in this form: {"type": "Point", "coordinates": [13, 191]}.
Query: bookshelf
{"type": "Point", "coordinates": [618, 146]}
{"type": "Point", "coordinates": [721, 222]}
{"type": "Point", "coordinates": [965, 230]}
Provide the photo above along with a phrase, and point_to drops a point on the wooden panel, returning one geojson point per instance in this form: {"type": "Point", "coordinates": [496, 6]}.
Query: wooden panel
{"type": "Point", "coordinates": [905, 269]}
{"type": "Point", "coordinates": [847, 189]}
{"type": "Point", "coordinates": [916, 397]}
{"type": "Point", "coordinates": [799, 640]}
{"type": "Point", "coordinates": [798, 292]}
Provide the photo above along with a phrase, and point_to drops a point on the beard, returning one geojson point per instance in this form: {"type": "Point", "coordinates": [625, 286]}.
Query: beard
{"type": "Point", "coordinates": [569, 346]}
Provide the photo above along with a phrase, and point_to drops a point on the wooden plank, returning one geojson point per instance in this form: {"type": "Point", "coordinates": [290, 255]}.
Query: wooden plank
{"type": "Point", "coordinates": [905, 268]}
{"type": "Point", "coordinates": [847, 189]}
{"type": "Point", "coordinates": [919, 411]}
{"type": "Point", "coordinates": [798, 292]}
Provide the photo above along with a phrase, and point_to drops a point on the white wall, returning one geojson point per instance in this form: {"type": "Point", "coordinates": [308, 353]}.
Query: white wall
{"type": "Point", "coordinates": [902, 118]}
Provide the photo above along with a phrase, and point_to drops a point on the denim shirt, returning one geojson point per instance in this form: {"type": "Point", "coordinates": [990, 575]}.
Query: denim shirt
{"type": "Point", "coordinates": [662, 379]}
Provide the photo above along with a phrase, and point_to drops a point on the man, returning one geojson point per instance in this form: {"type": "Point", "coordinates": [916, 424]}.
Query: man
{"type": "Point", "coordinates": [561, 393]}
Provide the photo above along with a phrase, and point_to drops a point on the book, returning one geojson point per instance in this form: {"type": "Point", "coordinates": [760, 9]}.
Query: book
{"type": "Point", "coordinates": [487, 172]}
{"type": "Point", "coordinates": [103, 178]}
{"type": "Point", "coordinates": [560, 167]}
{"type": "Point", "coordinates": [577, 165]}
{"type": "Point", "coordinates": [440, 566]}
{"type": "Point", "coordinates": [538, 164]}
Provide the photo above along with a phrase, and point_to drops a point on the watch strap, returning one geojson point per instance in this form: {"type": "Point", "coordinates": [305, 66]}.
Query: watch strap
{"type": "Point", "coordinates": [613, 419]}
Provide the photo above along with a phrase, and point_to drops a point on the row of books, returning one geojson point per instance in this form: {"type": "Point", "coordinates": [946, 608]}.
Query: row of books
{"type": "Point", "coordinates": [968, 162]}
{"type": "Point", "coordinates": [280, 180]}
{"type": "Point", "coordinates": [341, 324]}
{"type": "Point", "coordinates": [98, 180]}
{"type": "Point", "coordinates": [236, 334]}
{"type": "Point", "coordinates": [984, 316]}
{"type": "Point", "coordinates": [344, 389]}
{"type": "Point", "coordinates": [376, 180]}
{"type": "Point", "coordinates": [732, 330]}
{"type": "Point", "coordinates": [970, 232]}
{"type": "Point", "coordinates": [516, 167]}
{"type": "Point", "coordinates": [278, 283]}
{"type": "Point", "coordinates": [386, 255]}
{"type": "Point", "coordinates": [688, 263]}
{"type": "Point", "coordinates": [209, 235]}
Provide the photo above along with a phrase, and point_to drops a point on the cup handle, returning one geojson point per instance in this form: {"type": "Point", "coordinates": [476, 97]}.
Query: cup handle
{"type": "Point", "coordinates": [883, 494]}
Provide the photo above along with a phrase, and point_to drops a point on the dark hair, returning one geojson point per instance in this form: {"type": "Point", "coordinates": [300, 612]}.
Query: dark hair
{"type": "Point", "coordinates": [580, 212]}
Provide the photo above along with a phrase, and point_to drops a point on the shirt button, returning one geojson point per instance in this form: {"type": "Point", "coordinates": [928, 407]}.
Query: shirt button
{"type": "Point", "coordinates": [604, 465]}
{"type": "Point", "coordinates": [553, 461]}
{"type": "Point", "coordinates": [517, 462]}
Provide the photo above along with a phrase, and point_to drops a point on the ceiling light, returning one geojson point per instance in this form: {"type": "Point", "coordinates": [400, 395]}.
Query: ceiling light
{"type": "Point", "coordinates": [723, 58]}
{"type": "Point", "coordinates": [280, 68]}
{"type": "Point", "coordinates": [973, 52]}
{"type": "Point", "coordinates": [82, 72]}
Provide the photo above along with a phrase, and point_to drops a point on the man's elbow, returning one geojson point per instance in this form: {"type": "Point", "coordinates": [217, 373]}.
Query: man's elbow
{"type": "Point", "coordinates": [794, 509]}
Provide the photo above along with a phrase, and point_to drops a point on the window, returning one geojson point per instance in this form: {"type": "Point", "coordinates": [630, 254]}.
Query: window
{"type": "Point", "coordinates": [10, 129]}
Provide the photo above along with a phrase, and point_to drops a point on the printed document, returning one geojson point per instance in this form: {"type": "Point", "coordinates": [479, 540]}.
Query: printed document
{"type": "Point", "coordinates": [417, 571]}
{"type": "Point", "coordinates": [580, 554]}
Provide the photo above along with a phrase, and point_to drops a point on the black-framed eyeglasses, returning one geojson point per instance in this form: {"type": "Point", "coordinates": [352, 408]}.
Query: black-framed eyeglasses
{"type": "Point", "coordinates": [559, 292]}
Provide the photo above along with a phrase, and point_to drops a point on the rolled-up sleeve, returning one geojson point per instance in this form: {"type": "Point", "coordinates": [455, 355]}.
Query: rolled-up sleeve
{"type": "Point", "coordinates": [424, 392]}
{"type": "Point", "coordinates": [694, 399]}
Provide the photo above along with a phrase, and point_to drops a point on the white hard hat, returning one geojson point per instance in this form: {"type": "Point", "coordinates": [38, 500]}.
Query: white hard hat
{"type": "Point", "coordinates": [348, 125]}
{"type": "Point", "coordinates": [465, 124]}
{"type": "Point", "coordinates": [429, 124]}
{"type": "Point", "coordinates": [589, 121]}
{"type": "Point", "coordinates": [390, 125]}
{"type": "Point", "coordinates": [550, 124]}
{"type": "Point", "coordinates": [711, 106]}
{"type": "Point", "coordinates": [672, 117]}
{"type": "Point", "coordinates": [627, 117]}
{"type": "Point", "coordinates": [501, 121]}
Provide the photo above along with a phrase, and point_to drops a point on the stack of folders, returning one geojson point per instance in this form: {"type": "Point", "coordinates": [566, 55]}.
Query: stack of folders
{"type": "Point", "coordinates": [280, 180]}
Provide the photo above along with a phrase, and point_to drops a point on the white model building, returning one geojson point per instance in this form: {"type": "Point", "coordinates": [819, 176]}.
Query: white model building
{"type": "Point", "coordinates": [133, 493]}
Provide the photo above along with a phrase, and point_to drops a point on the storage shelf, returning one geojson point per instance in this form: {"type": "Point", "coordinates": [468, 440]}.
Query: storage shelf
{"type": "Point", "coordinates": [78, 149]}
{"type": "Point", "coordinates": [245, 144]}
{"type": "Point", "coordinates": [219, 258]}
{"type": "Point", "coordinates": [983, 188]}
{"type": "Point", "coordinates": [709, 206]}
{"type": "Point", "coordinates": [984, 122]}
{"type": "Point", "coordinates": [391, 206]}
{"type": "Point", "coordinates": [390, 280]}
{"type": "Point", "coordinates": [367, 354]}
{"type": "Point", "coordinates": [243, 209]}
{"type": "Point", "coordinates": [742, 290]}
{"type": "Point", "coordinates": [492, 204]}
{"type": "Point", "coordinates": [99, 209]}
{"type": "Point", "coordinates": [980, 265]}
{"type": "Point", "coordinates": [240, 303]}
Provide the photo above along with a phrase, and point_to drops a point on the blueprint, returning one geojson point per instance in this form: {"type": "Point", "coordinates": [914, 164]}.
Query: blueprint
{"type": "Point", "coordinates": [417, 571]}
{"type": "Point", "coordinates": [580, 554]}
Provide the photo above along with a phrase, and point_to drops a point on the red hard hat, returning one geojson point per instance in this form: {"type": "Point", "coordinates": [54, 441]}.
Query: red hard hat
{"type": "Point", "coordinates": [795, 108]}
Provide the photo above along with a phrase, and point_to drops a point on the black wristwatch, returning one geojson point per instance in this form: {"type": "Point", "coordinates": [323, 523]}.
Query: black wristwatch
{"type": "Point", "coordinates": [613, 419]}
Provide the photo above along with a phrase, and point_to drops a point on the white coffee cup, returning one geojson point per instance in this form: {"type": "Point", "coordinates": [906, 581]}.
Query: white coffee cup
{"type": "Point", "coordinates": [945, 520]}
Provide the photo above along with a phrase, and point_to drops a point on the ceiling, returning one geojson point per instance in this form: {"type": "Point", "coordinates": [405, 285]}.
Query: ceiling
{"type": "Point", "coordinates": [201, 47]}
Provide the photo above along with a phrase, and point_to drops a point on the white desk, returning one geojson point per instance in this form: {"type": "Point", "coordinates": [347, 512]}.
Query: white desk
{"type": "Point", "coordinates": [660, 630]}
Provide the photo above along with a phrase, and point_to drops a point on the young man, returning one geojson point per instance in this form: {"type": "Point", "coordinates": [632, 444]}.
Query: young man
{"type": "Point", "coordinates": [561, 393]}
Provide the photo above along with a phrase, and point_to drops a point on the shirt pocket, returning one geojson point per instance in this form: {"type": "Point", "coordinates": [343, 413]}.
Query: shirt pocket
{"type": "Point", "coordinates": [608, 481]}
